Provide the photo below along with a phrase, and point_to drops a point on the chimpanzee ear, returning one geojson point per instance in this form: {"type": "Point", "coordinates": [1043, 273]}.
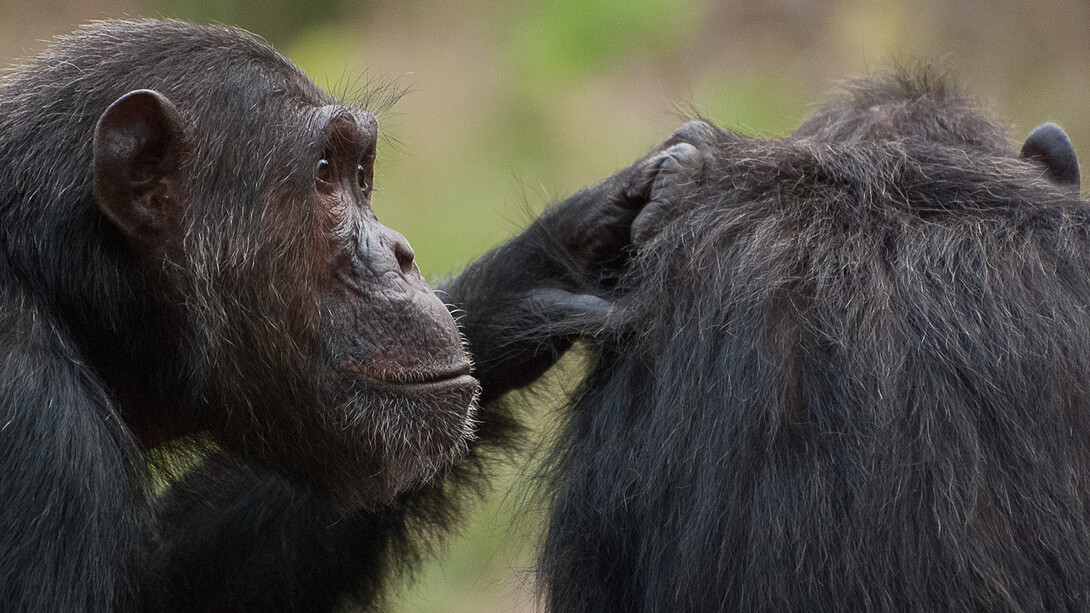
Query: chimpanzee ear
{"type": "Point", "coordinates": [1049, 145]}
{"type": "Point", "coordinates": [138, 153]}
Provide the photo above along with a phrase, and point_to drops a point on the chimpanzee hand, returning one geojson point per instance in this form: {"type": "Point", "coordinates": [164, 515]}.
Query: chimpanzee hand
{"type": "Point", "coordinates": [523, 304]}
{"type": "Point", "coordinates": [600, 224]}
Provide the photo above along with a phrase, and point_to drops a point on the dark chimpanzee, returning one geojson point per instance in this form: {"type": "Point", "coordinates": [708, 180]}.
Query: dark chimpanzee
{"type": "Point", "coordinates": [187, 250]}
{"type": "Point", "coordinates": [851, 372]}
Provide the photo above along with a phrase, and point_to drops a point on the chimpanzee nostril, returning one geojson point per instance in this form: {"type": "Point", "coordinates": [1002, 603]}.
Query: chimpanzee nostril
{"type": "Point", "coordinates": [404, 254]}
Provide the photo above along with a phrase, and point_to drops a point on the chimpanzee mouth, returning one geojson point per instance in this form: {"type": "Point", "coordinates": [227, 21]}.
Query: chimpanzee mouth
{"type": "Point", "coordinates": [416, 381]}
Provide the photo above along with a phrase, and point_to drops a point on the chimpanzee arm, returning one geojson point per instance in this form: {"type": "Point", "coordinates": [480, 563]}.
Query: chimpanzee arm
{"type": "Point", "coordinates": [235, 538]}
{"type": "Point", "coordinates": [523, 304]}
{"type": "Point", "coordinates": [66, 502]}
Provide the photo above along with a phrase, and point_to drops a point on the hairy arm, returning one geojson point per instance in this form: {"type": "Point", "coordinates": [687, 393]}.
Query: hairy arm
{"type": "Point", "coordinates": [523, 304]}
{"type": "Point", "coordinates": [67, 494]}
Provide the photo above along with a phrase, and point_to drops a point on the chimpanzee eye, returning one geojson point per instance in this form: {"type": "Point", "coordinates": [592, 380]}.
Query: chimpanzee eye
{"type": "Point", "coordinates": [325, 171]}
{"type": "Point", "coordinates": [361, 176]}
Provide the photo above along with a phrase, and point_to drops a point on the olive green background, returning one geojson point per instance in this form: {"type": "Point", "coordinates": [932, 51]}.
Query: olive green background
{"type": "Point", "coordinates": [512, 105]}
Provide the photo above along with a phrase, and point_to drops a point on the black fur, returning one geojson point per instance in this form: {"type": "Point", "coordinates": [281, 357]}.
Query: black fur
{"type": "Point", "coordinates": [849, 374]}
{"type": "Point", "coordinates": [183, 282]}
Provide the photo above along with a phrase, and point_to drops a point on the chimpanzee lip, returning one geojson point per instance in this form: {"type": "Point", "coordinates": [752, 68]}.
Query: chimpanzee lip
{"type": "Point", "coordinates": [415, 379]}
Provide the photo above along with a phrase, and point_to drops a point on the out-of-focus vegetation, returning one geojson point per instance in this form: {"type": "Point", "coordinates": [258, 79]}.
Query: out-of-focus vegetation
{"type": "Point", "coordinates": [512, 105]}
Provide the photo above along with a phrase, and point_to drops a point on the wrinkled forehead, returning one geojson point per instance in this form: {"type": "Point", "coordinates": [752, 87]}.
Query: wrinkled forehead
{"type": "Point", "coordinates": [343, 117]}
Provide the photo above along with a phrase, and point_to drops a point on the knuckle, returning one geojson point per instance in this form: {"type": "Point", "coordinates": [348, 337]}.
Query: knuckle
{"type": "Point", "coordinates": [695, 132]}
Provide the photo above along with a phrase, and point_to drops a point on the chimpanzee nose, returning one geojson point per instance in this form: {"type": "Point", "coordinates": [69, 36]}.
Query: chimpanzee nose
{"type": "Point", "coordinates": [390, 252]}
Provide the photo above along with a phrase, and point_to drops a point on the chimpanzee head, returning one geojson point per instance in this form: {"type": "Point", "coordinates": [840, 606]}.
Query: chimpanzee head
{"type": "Point", "coordinates": [228, 273]}
{"type": "Point", "coordinates": [850, 365]}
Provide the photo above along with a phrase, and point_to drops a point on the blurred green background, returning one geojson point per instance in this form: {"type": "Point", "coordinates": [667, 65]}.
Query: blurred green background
{"type": "Point", "coordinates": [515, 104]}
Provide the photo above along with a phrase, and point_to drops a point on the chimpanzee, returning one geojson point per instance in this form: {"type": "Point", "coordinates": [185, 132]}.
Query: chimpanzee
{"type": "Point", "coordinates": [188, 253]}
{"type": "Point", "coordinates": [849, 372]}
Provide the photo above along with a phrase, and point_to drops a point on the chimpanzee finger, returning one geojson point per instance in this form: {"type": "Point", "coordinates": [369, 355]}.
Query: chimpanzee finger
{"type": "Point", "coordinates": [566, 312]}
{"type": "Point", "coordinates": [529, 338]}
{"type": "Point", "coordinates": [637, 191]}
{"type": "Point", "coordinates": [679, 172]}
{"type": "Point", "coordinates": [697, 133]}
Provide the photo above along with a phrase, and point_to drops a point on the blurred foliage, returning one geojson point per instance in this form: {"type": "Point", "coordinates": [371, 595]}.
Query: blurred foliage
{"type": "Point", "coordinates": [563, 39]}
{"type": "Point", "coordinates": [276, 20]}
{"type": "Point", "coordinates": [513, 105]}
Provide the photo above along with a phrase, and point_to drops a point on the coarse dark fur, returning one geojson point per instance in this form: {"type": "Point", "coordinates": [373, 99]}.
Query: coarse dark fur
{"type": "Point", "coordinates": [188, 260]}
{"type": "Point", "coordinates": [851, 374]}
